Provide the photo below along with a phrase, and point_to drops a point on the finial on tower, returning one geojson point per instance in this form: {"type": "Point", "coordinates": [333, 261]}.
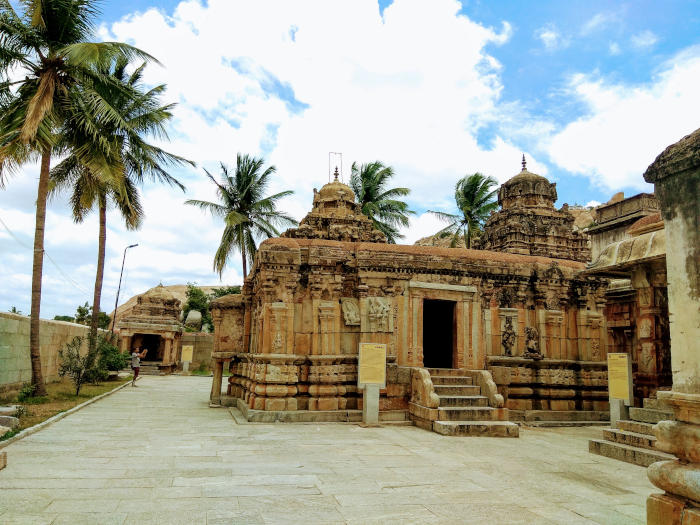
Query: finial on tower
{"type": "Point", "coordinates": [524, 163]}
{"type": "Point", "coordinates": [335, 174]}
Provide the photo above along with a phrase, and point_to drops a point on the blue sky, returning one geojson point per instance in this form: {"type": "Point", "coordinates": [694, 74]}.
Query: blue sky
{"type": "Point", "coordinates": [590, 91]}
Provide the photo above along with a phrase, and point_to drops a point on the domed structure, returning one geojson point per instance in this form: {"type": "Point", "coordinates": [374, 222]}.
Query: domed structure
{"type": "Point", "coordinates": [336, 216]}
{"type": "Point", "coordinates": [529, 224]}
{"type": "Point", "coordinates": [527, 189]}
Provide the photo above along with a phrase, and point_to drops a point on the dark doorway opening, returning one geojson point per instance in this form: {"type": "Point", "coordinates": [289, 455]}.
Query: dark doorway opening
{"type": "Point", "coordinates": [154, 344]}
{"type": "Point", "coordinates": [438, 333]}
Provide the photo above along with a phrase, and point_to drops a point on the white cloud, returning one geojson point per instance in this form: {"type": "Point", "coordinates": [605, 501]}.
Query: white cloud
{"type": "Point", "coordinates": [551, 38]}
{"type": "Point", "coordinates": [598, 22]}
{"type": "Point", "coordinates": [629, 125]}
{"type": "Point", "coordinates": [644, 39]}
{"type": "Point", "coordinates": [292, 82]}
{"type": "Point", "coordinates": [614, 48]}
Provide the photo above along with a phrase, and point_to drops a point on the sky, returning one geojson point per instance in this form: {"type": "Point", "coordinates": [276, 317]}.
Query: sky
{"type": "Point", "coordinates": [591, 92]}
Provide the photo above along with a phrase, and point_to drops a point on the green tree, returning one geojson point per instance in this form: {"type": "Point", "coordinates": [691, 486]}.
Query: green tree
{"type": "Point", "coordinates": [14, 310]}
{"type": "Point", "coordinates": [475, 201]}
{"type": "Point", "coordinates": [67, 318]}
{"type": "Point", "coordinates": [47, 48]}
{"type": "Point", "coordinates": [247, 213]}
{"type": "Point", "coordinates": [108, 159]}
{"type": "Point", "coordinates": [82, 313]}
{"type": "Point", "coordinates": [226, 290]}
{"type": "Point", "coordinates": [81, 367]}
{"type": "Point", "coordinates": [382, 205]}
{"type": "Point", "coordinates": [197, 300]}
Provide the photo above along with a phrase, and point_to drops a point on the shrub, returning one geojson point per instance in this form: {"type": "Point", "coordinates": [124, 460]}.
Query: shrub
{"type": "Point", "coordinates": [110, 358]}
{"type": "Point", "coordinates": [80, 368]}
{"type": "Point", "coordinates": [26, 392]}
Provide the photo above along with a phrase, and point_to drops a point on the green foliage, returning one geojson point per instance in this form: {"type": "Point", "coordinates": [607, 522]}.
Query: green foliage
{"type": "Point", "coordinates": [247, 213]}
{"type": "Point", "coordinates": [475, 201]}
{"type": "Point", "coordinates": [197, 300]}
{"type": "Point", "coordinates": [67, 318]}
{"type": "Point", "coordinates": [80, 367]}
{"type": "Point", "coordinates": [26, 392]}
{"type": "Point", "coordinates": [83, 315]}
{"type": "Point", "coordinates": [382, 205]}
{"type": "Point", "coordinates": [227, 290]}
{"type": "Point", "coordinates": [13, 310]}
{"type": "Point", "coordinates": [9, 434]}
{"type": "Point", "coordinates": [110, 358]}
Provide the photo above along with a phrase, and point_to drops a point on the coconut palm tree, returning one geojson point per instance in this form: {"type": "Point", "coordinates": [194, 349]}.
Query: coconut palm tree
{"type": "Point", "coordinates": [44, 52]}
{"type": "Point", "coordinates": [247, 213]}
{"type": "Point", "coordinates": [475, 201]}
{"type": "Point", "coordinates": [380, 204]}
{"type": "Point", "coordinates": [114, 158]}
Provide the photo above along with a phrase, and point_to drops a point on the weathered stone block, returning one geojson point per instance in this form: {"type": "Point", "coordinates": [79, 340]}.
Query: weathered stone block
{"type": "Point", "coordinates": [3, 460]}
{"type": "Point", "coordinates": [664, 510]}
{"type": "Point", "coordinates": [691, 516]}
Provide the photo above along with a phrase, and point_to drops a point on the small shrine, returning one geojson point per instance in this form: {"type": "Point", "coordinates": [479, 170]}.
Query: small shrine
{"type": "Point", "coordinates": [153, 324]}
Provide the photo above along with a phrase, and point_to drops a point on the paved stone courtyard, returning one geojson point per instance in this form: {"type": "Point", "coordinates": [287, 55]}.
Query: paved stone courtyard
{"type": "Point", "coordinates": [158, 454]}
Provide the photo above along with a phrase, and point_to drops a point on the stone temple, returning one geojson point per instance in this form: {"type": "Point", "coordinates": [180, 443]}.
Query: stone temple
{"type": "Point", "coordinates": [475, 339]}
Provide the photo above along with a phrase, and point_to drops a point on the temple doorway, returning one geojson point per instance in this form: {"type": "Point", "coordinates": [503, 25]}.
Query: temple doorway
{"type": "Point", "coordinates": [155, 345]}
{"type": "Point", "coordinates": [438, 333]}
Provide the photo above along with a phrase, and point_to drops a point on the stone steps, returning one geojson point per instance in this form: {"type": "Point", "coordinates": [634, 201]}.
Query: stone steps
{"type": "Point", "coordinates": [636, 426]}
{"type": "Point", "coordinates": [453, 372]}
{"type": "Point", "coordinates": [649, 415]}
{"type": "Point", "coordinates": [476, 428]}
{"type": "Point", "coordinates": [457, 390]}
{"type": "Point", "coordinates": [633, 439]}
{"type": "Point", "coordinates": [557, 424]}
{"type": "Point", "coordinates": [638, 456]}
{"type": "Point", "coordinates": [464, 401]}
{"type": "Point", "coordinates": [452, 380]}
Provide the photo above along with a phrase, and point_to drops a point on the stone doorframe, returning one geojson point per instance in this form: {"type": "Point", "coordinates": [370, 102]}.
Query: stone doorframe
{"type": "Point", "coordinates": [466, 349]}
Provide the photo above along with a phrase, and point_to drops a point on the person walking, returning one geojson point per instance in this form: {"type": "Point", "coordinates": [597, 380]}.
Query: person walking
{"type": "Point", "coordinates": [136, 357]}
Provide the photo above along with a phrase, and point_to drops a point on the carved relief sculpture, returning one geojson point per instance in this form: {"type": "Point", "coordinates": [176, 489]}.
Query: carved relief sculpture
{"type": "Point", "coordinates": [532, 343]}
{"type": "Point", "coordinates": [351, 311]}
{"type": "Point", "coordinates": [508, 337]}
{"type": "Point", "coordinates": [378, 314]}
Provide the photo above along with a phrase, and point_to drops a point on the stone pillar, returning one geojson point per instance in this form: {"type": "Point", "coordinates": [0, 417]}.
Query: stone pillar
{"type": "Point", "coordinates": [215, 397]}
{"type": "Point", "coordinates": [676, 177]}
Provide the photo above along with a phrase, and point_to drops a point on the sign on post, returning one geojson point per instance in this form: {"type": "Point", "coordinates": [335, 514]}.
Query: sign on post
{"type": "Point", "coordinates": [371, 376]}
{"type": "Point", "coordinates": [620, 378]}
{"type": "Point", "coordinates": [372, 365]}
{"type": "Point", "coordinates": [186, 358]}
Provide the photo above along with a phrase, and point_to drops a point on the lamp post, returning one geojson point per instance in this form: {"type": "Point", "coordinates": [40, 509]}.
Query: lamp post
{"type": "Point", "coordinates": [116, 301]}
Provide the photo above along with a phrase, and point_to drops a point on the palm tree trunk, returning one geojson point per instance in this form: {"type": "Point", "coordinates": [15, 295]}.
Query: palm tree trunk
{"type": "Point", "coordinates": [100, 274]}
{"type": "Point", "coordinates": [37, 272]}
{"type": "Point", "coordinates": [243, 255]}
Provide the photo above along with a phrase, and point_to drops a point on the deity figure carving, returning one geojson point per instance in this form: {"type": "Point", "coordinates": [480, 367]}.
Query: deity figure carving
{"type": "Point", "coordinates": [508, 337]}
{"type": "Point", "coordinates": [532, 343]}
{"type": "Point", "coordinates": [378, 314]}
{"type": "Point", "coordinates": [351, 311]}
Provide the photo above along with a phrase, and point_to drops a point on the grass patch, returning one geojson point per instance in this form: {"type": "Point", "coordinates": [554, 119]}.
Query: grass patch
{"type": "Point", "coordinates": [201, 372]}
{"type": "Point", "coordinates": [61, 397]}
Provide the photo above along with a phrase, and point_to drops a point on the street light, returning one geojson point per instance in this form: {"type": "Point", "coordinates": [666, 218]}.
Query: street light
{"type": "Point", "coordinates": [116, 301]}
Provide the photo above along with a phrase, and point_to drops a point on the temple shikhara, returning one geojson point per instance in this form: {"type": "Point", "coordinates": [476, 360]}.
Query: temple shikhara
{"type": "Point", "coordinates": [475, 339]}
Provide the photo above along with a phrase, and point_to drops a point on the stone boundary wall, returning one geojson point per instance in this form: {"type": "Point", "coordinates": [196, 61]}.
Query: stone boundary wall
{"type": "Point", "coordinates": [203, 344]}
{"type": "Point", "coordinates": [15, 365]}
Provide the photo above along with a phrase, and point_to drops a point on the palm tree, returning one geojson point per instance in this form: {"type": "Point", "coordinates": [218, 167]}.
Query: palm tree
{"type": "Point", "coordinates": [247, 213]}
{"type": "Point", "coordinates": [46, 49]}
{"type": "Point", "coordinates": [369, 181]}
{"type": "Point", "coordinates": [475, 201]}
{"type": "Point", "coordinates": [102, 175]}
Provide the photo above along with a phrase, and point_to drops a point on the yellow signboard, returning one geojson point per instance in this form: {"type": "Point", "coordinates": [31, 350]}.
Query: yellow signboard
{"type": "Point", "coordinates": [187, 353]}
{"type": "Point", "coordinates": [371, 369]}
{"type": "Point", "coordinates": [620, 377]}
